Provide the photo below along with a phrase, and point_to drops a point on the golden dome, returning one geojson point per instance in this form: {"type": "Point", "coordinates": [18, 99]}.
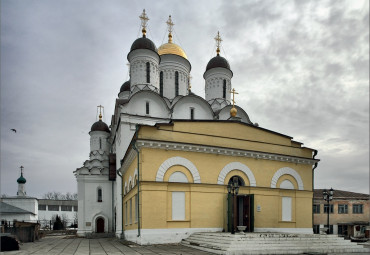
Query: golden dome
{"type": "Point", "coordinates": [171, 48]}
{"type": "Point", "coordinates": [233, 112]}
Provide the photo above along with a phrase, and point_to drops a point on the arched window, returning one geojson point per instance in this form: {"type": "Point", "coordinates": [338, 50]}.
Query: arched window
{"type": "Point", "coordinates": [147, 72]}
{"type": "Point", "coordinates": [176, 83]}
{"type": "Point", "coordinates": [100, 195]}
{"type": "Point", "coordinates": [240, 180]}
{"type": "Point", "coordinates": [191, 113]}
{"type": "Point", "coordinates": [224, 90]}
{"type": "Point", "coordinates": [147, 109]}
{"type": "Point", "coordinates": [161, 84]}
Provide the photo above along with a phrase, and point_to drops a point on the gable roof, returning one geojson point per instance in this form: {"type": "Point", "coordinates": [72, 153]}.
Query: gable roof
{"type": "Point", "coordinates": [341, 194]}
{"type": "Point", "coordinates": [10, 209]}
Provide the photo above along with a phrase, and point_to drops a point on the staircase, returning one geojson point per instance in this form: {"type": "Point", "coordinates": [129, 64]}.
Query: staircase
{"type": "Point", "coordinates": [272, 243]}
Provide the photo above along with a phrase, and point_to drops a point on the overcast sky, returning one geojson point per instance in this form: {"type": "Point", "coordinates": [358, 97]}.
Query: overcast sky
{"type": "Point", "coordinates": [301, 69]}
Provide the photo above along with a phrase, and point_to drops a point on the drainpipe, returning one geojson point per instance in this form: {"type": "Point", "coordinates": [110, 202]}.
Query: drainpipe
{"type": "Point", "coordinates": [313, 180]}
{"type": "Point", "coordinates": [113, 220]}
{"type": "Point", "coordinates": [119, 174]}
{"type": "Point", "coordinates": [138, 178]}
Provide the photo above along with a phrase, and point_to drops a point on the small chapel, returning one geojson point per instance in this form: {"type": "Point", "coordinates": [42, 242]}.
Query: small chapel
{"type": "Point", "coordinates": [171, 163]}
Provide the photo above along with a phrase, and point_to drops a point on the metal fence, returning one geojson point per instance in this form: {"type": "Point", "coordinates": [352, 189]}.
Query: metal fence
{"type": "Point", "coordinates": [44, 224]}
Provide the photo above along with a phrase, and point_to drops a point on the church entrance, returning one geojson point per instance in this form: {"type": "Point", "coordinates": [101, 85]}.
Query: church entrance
{"type": "Point", "coordinates": [100, 225]}
{"type": "Point", "coordinates": [241, 212]}
{"type": "Point", "coordinates": [245, 212]}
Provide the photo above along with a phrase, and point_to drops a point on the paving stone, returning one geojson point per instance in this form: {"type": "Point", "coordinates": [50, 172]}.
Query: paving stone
{"type": "Point", "coordinates": [67, 245]}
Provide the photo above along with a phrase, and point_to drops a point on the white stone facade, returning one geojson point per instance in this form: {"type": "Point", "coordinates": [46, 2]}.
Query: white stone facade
{"type": "Point", "coordinates": [162, 96]}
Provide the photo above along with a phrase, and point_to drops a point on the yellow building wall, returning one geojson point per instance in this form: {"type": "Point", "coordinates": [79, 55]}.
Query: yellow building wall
{"type": "Point", "coordinates": [206, 203]}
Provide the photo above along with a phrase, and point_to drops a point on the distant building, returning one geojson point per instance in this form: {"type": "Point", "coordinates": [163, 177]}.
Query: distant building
{"type": "Point", "coordinates": [20, 207]}
{"type": "Point", "coordinates": [349, 212]}
{"type": "Point", "coordinates": [31, 209]}
{"type": "Point", "coordinates": [66, 209]}
{"type": "Point", "coordinates": [11, 213]}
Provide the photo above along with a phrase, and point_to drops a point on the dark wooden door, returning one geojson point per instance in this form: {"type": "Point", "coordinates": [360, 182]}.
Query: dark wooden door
{"type": "Point", "coordinates": [100, 225]}
{"type": "Point", "coordinates": [245, 212]}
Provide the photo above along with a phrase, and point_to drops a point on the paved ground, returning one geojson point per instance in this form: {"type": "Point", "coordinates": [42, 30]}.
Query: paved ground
{"type": "Point", "coordinates": [78, 246]}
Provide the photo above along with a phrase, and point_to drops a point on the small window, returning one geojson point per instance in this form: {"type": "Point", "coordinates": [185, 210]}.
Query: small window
{"type": "Point", "coordinates": [240, 180]}
{"type": "Point", "coordinates": [147, 109]}
{"type": "Point", "coordinates": [99, 142]}
{"type": "Point", "coordinates": [357, 209]}
{"type": "Point", "coordinates": [342, 209]}
{"type": "Point", "coordinates": [100, 195]}
{"type": "Point", "coordinates": [191, 113]}
{"type": "Point", "coordinates": [176, 84]}
{"type": "Point", "coordinates": [161, 84]}
{"type": "Point", "coordinates": [42, 207]}
{"type": "Point", "coordinates": [147, 72]}
{"type": "Point", "coordinates": [326, 208]}
{"type": "Point", "coordinates": [53, 207]}
{"type": "Point", "coordinates": [66, 208]}
{"type": "Point", "coordinates": [224, 90]}
{"type": "Point", "coordinates": [178, 205]}
{"type": "Point", "coordinates": [316, 208]}
{"type": "Point", "coordinates": [75, 208]}
{"type": "Point", "coordinates": [286, 206]}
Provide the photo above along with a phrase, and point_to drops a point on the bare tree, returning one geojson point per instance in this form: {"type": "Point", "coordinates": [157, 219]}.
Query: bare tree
{"type": "Point", "coordinates": [54, 195]}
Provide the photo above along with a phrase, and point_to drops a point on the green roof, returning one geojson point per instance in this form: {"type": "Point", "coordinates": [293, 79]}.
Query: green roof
{"type": "Point", "coordinates": [21, 179]}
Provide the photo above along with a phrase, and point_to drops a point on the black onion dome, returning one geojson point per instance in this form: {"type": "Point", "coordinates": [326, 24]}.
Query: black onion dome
{"type": "Point", "coordinates": [218, 61]}
{"type": "Point", "coordinates": [100, 126]}
{"type": "Point", "coordinates": [125, 86]}
{"type": "Point", "coordinates": [143, 43]}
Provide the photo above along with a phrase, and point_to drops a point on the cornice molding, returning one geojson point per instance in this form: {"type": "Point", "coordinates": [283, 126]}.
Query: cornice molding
{"type": "Point", "coordinates": [127, 162]}
{"type": "Point", "coordinates": [223, 151]}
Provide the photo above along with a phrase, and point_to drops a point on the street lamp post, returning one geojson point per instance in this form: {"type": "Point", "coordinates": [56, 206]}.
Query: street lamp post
{"type": "Point", "coordinates": [233, 189]}
{"type": "Point", "coordinates": [328, 196]}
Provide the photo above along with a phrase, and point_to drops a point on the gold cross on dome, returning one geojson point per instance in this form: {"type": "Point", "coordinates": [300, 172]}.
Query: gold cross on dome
{"type": "Point", "coordinates": [218, 42]}
{"type": "Point", "coordinates": [170, 25]}
{"type": "Point", "coordinates": [100, 106]}
{"type": "Point", "coordinates": [234, 92]}
{"type": "Point", "coordinates": [144, 19]}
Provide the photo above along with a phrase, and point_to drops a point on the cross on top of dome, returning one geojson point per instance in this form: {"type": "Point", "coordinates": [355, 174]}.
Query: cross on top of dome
{"type": "Point", "coordinates": [170, 25]}
{"type": "Point", "coordinates": [144, 19]}
{"type": "Point", "coordinates": [218, 42]}
{"type": "Point", "coordinates": [100, 116]}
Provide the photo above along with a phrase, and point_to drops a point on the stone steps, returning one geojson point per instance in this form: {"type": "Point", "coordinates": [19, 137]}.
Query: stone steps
{"type": "Point", "coordinates": [272, 243]}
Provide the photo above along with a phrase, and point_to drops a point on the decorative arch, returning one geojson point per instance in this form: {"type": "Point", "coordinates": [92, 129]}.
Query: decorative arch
{"type": "Point", "coordinates": [94, 221]}
{"type": "Point", "coordinates": [177, 161]}
{"type": "Point", "coordinates": [289, 171]}
{"type": "Point", "coordinates": [286, 184]}
{"type": "Point", "coordinates": [236, 166]}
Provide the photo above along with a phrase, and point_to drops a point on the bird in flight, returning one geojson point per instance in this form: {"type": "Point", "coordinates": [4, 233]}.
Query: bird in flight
{"type": "Point", "coordinates": [15, 131]}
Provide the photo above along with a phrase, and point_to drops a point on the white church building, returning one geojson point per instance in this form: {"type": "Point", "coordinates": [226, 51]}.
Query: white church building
{"type": "Point", "coordinates": [158, 93]}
